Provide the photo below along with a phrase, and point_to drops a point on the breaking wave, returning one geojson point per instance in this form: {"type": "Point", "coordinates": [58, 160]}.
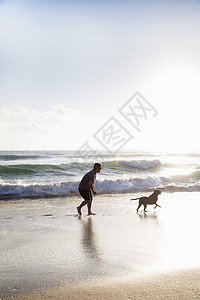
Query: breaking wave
{"type": "Point", "coordinates": [38, 174]}
{"type": "Point", "coordinates": [106, 186]}
{"type": "Point", "coordinates": [142, 164]}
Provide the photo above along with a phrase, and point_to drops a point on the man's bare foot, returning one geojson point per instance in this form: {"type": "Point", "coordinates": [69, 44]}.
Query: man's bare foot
{"type": "Point", "coordinates": [90, 213]}
{"type": "Point", "coordinates": [79, 210]}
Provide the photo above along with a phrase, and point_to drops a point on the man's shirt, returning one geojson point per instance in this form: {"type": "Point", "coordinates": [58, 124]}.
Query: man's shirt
{"type": "Point", "coordinates": [90, 176]}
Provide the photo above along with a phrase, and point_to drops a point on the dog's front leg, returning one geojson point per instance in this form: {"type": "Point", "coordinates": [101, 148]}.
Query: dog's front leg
{"type": "Point", "coordinates": [157, 205]}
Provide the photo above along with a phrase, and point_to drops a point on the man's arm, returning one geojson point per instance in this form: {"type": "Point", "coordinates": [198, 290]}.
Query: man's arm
{"type": "Point", "coordinates": [91, 184]}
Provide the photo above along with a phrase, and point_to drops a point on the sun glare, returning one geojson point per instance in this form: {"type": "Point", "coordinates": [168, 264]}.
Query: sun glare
{"type": "Point", "coordinates": [182, 78]}
{"type": "Point", "coordinates": [176, 89]}
{"type": "Point", "coordinates": [179, 79]}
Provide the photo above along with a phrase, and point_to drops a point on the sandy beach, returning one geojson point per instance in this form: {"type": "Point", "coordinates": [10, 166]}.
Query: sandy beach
{"type": "Point", "coordinates": [47, 252]}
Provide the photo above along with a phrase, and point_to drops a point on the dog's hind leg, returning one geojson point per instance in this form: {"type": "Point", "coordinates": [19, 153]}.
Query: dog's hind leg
{"type": "Point", "coordinates": [145, 206]}
{"type": "Point", "coordinates": [140, 204]}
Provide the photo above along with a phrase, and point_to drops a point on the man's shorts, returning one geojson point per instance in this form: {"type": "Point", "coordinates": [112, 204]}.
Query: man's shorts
{"type": "Point", "coordinates": [86, 195]}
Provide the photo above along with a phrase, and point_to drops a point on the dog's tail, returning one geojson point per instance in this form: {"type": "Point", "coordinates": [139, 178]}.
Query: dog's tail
{"type": "Point", "coordinates": [135, 199]}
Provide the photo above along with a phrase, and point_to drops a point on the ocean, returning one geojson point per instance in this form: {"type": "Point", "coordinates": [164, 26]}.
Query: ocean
{"type": "Point", "coordinates": [40, 174]}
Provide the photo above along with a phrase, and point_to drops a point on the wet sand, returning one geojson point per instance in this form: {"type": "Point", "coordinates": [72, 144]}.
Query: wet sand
{"type": "Point", "coordinates": [183, 285]}
{"type": "Point", "coordinates": [47, 252]}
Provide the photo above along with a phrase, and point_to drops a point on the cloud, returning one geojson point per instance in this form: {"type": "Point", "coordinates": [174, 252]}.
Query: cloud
{"type": "Point", "coordinates": [20, 114]}
{"type": "Point", "coordinates": [22, 128]}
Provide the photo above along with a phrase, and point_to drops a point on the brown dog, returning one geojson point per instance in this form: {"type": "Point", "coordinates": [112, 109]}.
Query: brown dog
{"type": "Point", "coordinates": [152, 199]}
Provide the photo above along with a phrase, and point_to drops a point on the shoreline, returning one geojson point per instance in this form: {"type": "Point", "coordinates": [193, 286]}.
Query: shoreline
{"type": "Point", "coordinates": [47, 251]}
{"type": "Point", "coordinates": [148, 191]}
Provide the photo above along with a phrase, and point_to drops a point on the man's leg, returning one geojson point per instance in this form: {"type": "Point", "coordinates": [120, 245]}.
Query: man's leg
{"type": "Point", "coordinates": [89, 208]}
{"type": "Point", "coordinates": [81, 205]}
{"type": "Point", "coordinates": [86, 196]}
{"type": "Point", "coordinates": [90, 204]}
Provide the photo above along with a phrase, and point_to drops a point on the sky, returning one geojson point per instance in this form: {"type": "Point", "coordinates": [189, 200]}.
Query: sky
{"type": "Point", "coordinates": [68, 67]}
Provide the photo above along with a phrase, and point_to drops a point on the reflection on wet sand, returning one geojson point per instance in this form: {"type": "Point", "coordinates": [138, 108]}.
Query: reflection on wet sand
{"type": "Point", "coordinates": [89, 240]}
{"type": "Point", "coordinates": [145, 215]}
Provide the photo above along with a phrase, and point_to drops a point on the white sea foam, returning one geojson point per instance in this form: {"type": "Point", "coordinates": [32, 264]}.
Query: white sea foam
{"type": "Point", "coordinates": [142, 164]}
{"type": "Point", "coordinates": [9, 191]}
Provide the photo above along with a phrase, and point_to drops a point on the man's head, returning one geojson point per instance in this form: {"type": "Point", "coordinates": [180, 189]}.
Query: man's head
{"type": "Point", "coordinates": [97, 167]}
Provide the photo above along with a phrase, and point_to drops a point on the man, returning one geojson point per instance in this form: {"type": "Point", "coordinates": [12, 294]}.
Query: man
{"type": "Point", "coordinates": [86, 187]}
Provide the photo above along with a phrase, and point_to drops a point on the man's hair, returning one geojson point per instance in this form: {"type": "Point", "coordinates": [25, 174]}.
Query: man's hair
{"type": "Point", "coordinates": [97, 165]}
